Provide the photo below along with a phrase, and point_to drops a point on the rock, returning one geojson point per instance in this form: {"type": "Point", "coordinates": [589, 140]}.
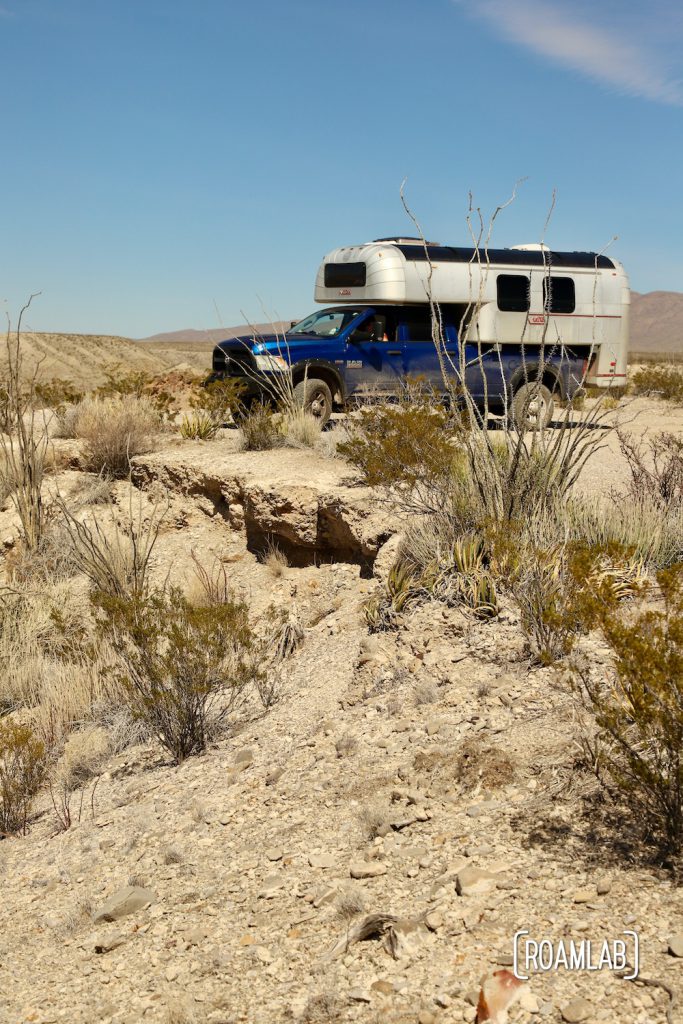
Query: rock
{"type": "Point", "coordinates": [603, 886]}
{"type": "Point", "coordinates": [426, 1017]}
{"type": "Point", "coordinates": [274, 776]}
{"type": "Point", "coordinates": [675, 945]}
{"type": "Point", "coordinates": [321, 860]}
{"type": "Point", "coordinates": [386, 556]}
{"type": "Point", "coordinates": [385, 987]}
{"type": "Point", "coordinates": [475, 882]}
{"type": "Point", "coordinates": [244, 757]}
{"type": "Point", "coordinates": [108, 941]}
{"type": "Point", "coordinates": [368, 869]}
{"type": "Point", "coordinates": [584, 895]}
{"type": "Point", "coordinates": [128, 900]}
{"type": "Point", "coordinates": [434, 920]}
{"type": "Point", "coordinates": [274, 854]}
{"type": "Point", "coordinates": [577, 1010]}
{"type": "Point", "coordinates": [528, 1001]}
{"type": "Point", "coordinates": [360, 995]}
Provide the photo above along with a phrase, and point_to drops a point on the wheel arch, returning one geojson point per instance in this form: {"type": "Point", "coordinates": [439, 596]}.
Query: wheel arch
{"type": "Point", "coordinates": [322, 371]}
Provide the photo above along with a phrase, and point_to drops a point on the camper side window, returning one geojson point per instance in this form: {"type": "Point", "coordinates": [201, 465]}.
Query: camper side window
{"type": "Point", "coordinates": [513, 293]}
{"type": "Point", "coordinates": [559, 295]}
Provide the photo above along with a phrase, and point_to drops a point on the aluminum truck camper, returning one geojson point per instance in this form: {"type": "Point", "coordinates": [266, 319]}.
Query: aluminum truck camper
{"type": "Point", "coordinates": [514, 320]}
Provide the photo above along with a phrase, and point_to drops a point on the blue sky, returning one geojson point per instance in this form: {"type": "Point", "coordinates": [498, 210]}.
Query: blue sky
{"type": "Point", "coordinates": [163, 160]}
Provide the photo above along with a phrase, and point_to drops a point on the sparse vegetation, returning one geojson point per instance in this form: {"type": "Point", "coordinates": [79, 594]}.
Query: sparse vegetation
{"type": "Point", "coordinates": [662, 381]}
{"type": "Point", "coordinates": [114, 431]}
{"type": "Point", "coordinates": [184, 668]}
{"type": "Point", "coordinates": [638, 707]}
{"type": "Point", "coordinates": [23, 762]}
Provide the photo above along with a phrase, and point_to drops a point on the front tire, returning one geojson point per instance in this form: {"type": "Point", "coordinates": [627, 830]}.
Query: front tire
{"type": "Point", "coordinates": [315, 397]}
{"type": "Point", "coordinates": [532, 407]}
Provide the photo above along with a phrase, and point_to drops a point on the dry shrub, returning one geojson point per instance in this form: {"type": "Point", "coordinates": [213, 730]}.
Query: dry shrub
{"type": "Point", "coordinates": [653, 534]}
{"type": "Point", "coordinates": [218, 400]}
{"type": "Point", "coordinates": [275, 559]}
{"type": "Point", "coordinates": [49, 669]}
{"type": "Point", "coordinates": [116, 559]}
{"type": "Point", "coordinates": [22, 769]}
{"type": "Point", "coordinates": [65, 423]}
{"type": "Point", "coordinates": [299, 428]}
{"type": "Point", "coordinates": [374, 819]}
{"type": "Point", "coordinates": [81, 761]}
{"type": "Point", "coordinates": [95, 490]}
{"type": "Point", "coordinates": [323, 1008]}
{"type": "Point", "coordinates": [184, 669]}
{"type": "Point", "coordinates": [655, 469]}
{"type": "Point", "coordinates": [638, 708]}
{"type": "Point", "coordinates": [212, 587]}
{"type": "Point", "coordinates": [563, 591]}
{"type": "Point", "coordinates": [664, 381]}
{"type": "Point", "coordinates": [473, 764]}
{"type": "Point", "coordinates": [115, 430]}
{"type": "Point", "coordinates": [56, 394]}
{"type": "Point", "coordinates": [259, 429]}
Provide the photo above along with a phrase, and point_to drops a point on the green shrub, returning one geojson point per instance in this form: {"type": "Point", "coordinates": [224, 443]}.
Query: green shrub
{"type": "Point", "coordinates": [638, 751]}
{"type": "Point", "coordinates": [218, 399]}
{"type": "Point", "coordinates": [56, 394]}
{"type": "Point", "coordinates": [23, 763]}
{"type": "Point", "coordinates": [183, 667]}
{"type": "Point", "coordinates": [664, 381]}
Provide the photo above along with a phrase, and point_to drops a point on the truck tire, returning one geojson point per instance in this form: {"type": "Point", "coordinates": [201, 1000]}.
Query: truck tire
{"type": "Point", "coordinates": [315, 397]}
{"type": "Point", "coordinates": [532, 407]}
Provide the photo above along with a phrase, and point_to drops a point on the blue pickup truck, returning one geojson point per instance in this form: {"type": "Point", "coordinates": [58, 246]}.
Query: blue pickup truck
{"type": "Point", "coordinates": [341, 353]}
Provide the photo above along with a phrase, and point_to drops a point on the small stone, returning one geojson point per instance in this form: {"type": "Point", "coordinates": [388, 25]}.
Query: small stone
{"type": "Point", "coordinates": [434, 920]}
{"type": "Point", "coordinates": [528, 1001]}
{"type": "Point", "coordinates": [368, 869]}
{"type": "Point", "coordinates": [475, 882]}
{"type": "Point", "coordinates": [111, 940]}
{"type": "Point", "coordinates": [385, 987]}
{"type": "Point", "coordinates": [321, 860]}
{"type": "Point", "coordinates": [675, 945]}
{"type": "Point", "coordinates": [128, 900]}
{"type": "Point", "coordinates": [577, 1010]}
{"type": "Point", "coordinates": [426, 1017]}
{"type": "Point", "coordinates": [442, 1000]}
{"type": "Point", "coordinates": [603, 886]}
{"type": "Point", "coordinates": [171, 973]}
{"type": "Point", "coordinates": [583, 895]}
{"type": "Point", "coordinates": [274, 854]}
{"type": "Point", "coordinates": [274, 776]}
{"type": "Point", "coordinates": [244, 757]}
{"type": "Point", "coordinates": [360, 995]}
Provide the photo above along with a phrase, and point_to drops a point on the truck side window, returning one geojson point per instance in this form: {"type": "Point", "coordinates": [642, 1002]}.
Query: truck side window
{"type": "Point", "coordinates": [513, 293]}
{"type": "Point", "coordinates": [417, 328]}
{"type": "Point", "coordinates": [559, 295]}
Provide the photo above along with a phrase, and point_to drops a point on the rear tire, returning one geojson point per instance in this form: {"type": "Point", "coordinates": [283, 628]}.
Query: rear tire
{"type": "Point", "coordinates": [532, 407]}
{"type": "Point", "coordinates": [315, 397]}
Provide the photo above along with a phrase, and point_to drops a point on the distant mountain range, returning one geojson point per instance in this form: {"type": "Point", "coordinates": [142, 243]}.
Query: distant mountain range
{"type": "Point", "coordinates": [657, 322]}
{"type": "Point", "coordinates": [656, 326]}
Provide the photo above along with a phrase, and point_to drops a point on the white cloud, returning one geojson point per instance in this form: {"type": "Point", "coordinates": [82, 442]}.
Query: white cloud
{"type": "Point", "coordinates": [621, 60]}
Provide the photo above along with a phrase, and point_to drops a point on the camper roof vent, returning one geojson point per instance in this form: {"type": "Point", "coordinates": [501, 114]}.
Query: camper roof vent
{"type": "Point", "coordinates": [406, 240]}
{"type": "Point", "coordinates": [532, 247]}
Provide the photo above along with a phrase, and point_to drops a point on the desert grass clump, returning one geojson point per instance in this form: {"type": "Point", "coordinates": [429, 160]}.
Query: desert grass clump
{"type": "Point", "coordinates": [184, 669]}
{"type": "Point", "coordinates": [300, 429]}
{"type": "Point", "coordinates": [654, 534]}
{"type": "Point", "coordinates": [663, 381]}
{"type": "Point", "coordinates": [115, 558]}
{"type": "Point", "coordinates": [114, 431]}
{"type": "Point", "coordinates": [638, 707]}
{"type": "Point", "coordinates": [275, 559]}
{"type": "Point", "coordinates": [259, 429]}
{"type": "Point", "coordinates": [198, 426]}
{"type": "Point", "coordinates": [23, 762]}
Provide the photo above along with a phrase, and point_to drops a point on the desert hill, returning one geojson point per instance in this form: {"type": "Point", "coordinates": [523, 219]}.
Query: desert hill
{"type": "Point", "coordinates": [657, 322]}
{"type": "Point", "coordinates": [85, 359]}
{"type": "Point", "coordinates": [656, 326]}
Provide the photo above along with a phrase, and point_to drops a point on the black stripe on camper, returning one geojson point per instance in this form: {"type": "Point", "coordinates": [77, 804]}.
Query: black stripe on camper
{"type": "Point", "coordinates": [510, 257]}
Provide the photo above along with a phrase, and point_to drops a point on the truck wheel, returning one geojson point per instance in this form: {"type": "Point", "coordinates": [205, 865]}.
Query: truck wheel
{"type": "Point", "coordinates": [532, 407]}
{"type": "Point", "coordinates": [315, 397]}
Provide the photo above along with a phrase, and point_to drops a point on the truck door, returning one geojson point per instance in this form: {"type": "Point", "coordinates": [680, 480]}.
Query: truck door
{"type": "Point", "coordinates": [373, 359]}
